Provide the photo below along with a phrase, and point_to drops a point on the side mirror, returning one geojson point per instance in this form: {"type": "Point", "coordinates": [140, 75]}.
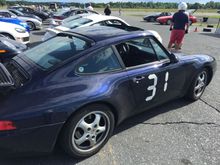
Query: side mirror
{"type": "Point", "coordinates": [173, 58]}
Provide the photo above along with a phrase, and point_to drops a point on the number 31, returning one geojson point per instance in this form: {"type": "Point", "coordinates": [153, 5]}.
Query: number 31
{"type": "Point", "coordinates": [153, 87]}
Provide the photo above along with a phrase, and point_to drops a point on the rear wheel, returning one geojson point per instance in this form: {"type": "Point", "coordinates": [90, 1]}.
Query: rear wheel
{"type": "Point", "coordinates": [31, 25]}
{"type": "Point", "coordinates": [168, 22]}
{"type": "Point", "coordinates": [198, 85]}
{"type": "Point", "coordinates": [88, 130]}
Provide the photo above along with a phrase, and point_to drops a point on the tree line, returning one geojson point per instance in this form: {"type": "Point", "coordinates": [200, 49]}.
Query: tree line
{"type": "Point", "coordinates": [150, 5]}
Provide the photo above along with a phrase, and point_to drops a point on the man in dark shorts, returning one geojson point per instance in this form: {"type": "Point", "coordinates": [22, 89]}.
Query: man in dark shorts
{"type": "Point", "coordinates": [179, 26]}
{"type": "Point", "coordinates": [107, 10]}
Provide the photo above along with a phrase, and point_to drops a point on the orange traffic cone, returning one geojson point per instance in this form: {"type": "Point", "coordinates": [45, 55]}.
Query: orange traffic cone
{"type": "Point", "coordinates": [196, 30]}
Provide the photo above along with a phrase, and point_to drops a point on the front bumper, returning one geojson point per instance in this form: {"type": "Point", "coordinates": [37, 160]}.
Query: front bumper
{"type": "Point", "coordinates": [23, 38]}
{"type": "Point", "coordinates": [38, 25]}
{"type": "Point", "coordinates": [29, 141]}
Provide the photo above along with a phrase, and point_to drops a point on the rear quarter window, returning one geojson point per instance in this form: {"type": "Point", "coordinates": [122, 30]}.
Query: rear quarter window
{"type": "Point", "coordinates": [99, 62]}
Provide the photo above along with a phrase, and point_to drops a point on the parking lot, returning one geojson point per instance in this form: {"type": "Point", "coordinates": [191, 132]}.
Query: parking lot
{"type": "Point", "coordinates": [179, 132]}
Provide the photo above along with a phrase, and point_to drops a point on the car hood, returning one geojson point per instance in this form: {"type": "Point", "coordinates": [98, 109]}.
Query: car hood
{"type": "Point", "coordinates": [16, 21]}
{"type": "Point", "coordinates": [11, 20]}
{"type": "Point", "coordinates": [24, 18]}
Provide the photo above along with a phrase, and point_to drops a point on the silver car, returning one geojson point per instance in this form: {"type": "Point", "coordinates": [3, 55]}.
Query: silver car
{"type": "Point", "coordinates": [33, 23]}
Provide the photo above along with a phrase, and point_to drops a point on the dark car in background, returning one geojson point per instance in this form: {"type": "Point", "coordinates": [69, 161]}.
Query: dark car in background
{"type": "Point", "coordinates": [28, 10]}
{"type": "Point", "coordinates": [10, 48]}
{"type": "Point", "coordinates": [19, 13]}
{"type": "Point", "coordinates": [153, 17]}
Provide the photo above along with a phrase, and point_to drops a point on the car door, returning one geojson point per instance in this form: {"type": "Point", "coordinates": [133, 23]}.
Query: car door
{"type": "Point", "coordinates": [154, 79]}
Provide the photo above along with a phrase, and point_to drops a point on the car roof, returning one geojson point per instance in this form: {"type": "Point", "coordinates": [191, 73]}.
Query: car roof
{"type": "Point", "coordinates": [96, 18]}
{"type": "Point", "coordinates": [100, 33]}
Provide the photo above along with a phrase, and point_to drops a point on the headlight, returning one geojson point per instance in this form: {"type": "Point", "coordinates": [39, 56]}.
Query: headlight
{"type": "Point", "coordinates": [20, 30]}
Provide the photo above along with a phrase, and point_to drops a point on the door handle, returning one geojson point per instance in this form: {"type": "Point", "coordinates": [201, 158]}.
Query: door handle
{"type": "Point", "coordinates": [138, 78]}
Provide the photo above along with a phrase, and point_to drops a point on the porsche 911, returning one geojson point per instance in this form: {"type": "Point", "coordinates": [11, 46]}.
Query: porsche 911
{"type": "Point", "coordinates": [75, 88]}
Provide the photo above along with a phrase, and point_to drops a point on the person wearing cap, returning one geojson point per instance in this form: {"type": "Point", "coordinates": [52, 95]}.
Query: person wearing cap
{"type": "Point", "coordinates": [179, 27]}
{"type": "Point", "coordinates": [107, 10]}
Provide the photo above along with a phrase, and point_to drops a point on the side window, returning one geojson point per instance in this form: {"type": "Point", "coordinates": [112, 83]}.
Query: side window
{"type": "Point", "coordinates": [114, 22]}
{"type": "Point", "coordinates": [99, 62]}
{"type": "Point", "coordinates": [161, 54]}
{"type": "Point", "coordinates": [102, 23]}
{"type": "Point", "coordinates": [136, 52]}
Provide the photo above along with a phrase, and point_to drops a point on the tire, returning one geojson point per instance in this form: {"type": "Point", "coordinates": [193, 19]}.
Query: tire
{"type": "Point", "coordinates": [198, 85]}
{"type": "Point", "coordinates": [168, 22]}
{"type": "Point", "coordinates": [87, 131]}
{"type": "Point", "coordinates": [31, 25]}
{"type": "Point", "coordinates": [9, 36]}
{"type": "Point", "coordinates": [152, 19]}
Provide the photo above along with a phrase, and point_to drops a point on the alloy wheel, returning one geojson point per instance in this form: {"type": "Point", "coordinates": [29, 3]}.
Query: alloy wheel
{"type": "Point", "coordinates": [200, 84]}
{"type": "Point", "coordinates": [91, 131]}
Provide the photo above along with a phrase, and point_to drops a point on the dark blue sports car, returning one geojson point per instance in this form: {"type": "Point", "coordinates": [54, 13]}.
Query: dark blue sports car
{"type": "Point", "coordinates": [78, 86]}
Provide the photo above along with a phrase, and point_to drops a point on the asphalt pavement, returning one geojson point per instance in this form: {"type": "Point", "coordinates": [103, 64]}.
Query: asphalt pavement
{"type": "Point", "coordinates": [176, 133]}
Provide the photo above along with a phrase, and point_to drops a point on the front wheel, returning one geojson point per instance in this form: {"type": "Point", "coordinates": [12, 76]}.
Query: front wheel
{"type": "Point", "coordinates": [198, 85]}
{"type": "Point", "coordinates": [168, 22]}
{"type": "Point", "coordinates": [88, 130]}
{"type": "Point", "coordinates": [152, 19]}
{"type": "Point", "coordinates": [31, 25]}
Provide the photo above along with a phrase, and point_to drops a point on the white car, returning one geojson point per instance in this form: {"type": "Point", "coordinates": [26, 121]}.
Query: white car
{"type": "Point", "coordinates": [15, 32]}
{"type": "Point", "coordinates": [88, 20]}
{"type": "Point", "coordinates": [33, 23]}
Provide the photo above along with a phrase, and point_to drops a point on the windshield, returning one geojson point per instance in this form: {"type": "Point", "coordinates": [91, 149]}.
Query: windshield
{"type": "Point", "coordinates": [76, 23]}
{"type": "Point", "coordinates": [56, 50]}
{"type": "Point", "coordinates": [17, 12]}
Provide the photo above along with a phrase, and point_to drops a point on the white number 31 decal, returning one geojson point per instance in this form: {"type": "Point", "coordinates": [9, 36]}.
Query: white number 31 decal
{"type": "Point", "coordinates": [153, 87]}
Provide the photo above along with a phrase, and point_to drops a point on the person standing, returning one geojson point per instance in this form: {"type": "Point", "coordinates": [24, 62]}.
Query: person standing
{"type": "Point", "coordinates": [119, 10]}
{"type": "Point", "coordinates": [179, 27]}
{"type": "Point", "coordinates": [107, 10]}
{"type": "Point", "coordinates": [89, 6]}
